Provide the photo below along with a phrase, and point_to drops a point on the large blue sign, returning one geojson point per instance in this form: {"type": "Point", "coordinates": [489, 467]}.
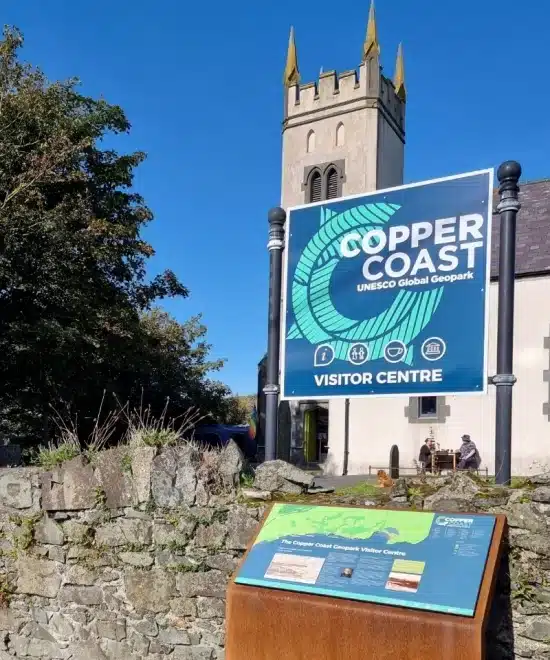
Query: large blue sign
{"type": "Point", "coordinates": [387, 293]}
{"type": "Point", "coordinates": [414, 559]}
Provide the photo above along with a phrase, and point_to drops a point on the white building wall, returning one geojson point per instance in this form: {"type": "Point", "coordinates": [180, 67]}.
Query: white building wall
{"type": "Point", "coordinates": [377, 424]}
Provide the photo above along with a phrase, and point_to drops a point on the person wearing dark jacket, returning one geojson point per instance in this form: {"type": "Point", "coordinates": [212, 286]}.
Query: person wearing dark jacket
{"type": "Point", "coordinates": [425, 456]}
{"type": "Point", "coordinates": [469, 456]}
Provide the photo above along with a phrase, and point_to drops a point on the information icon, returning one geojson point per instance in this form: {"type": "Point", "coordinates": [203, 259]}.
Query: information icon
{"type": "Point", "coordinates": [358, 354]}
{"type": "Point", "coordinates": [395, 351]}
{"type": "Point", "coordinates": [433, 349]}
{"type": "Point", "coordinates": [324, 355]}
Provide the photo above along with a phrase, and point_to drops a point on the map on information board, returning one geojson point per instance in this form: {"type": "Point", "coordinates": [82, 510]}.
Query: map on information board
{"type": "Point", "coordinates": [420, 560]}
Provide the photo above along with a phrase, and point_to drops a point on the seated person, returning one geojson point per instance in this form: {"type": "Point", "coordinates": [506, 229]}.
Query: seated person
{"type": "Point", "coordinates": [425, 456]}
{"type": "Point", "coordinates": [469, 456]}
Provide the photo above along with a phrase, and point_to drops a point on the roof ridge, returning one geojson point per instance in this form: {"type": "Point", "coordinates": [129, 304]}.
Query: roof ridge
{"type": "Point", "coordinates": [528, 183]}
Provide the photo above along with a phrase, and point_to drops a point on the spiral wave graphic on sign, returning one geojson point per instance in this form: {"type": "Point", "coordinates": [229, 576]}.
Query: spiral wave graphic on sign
{"type": "Point", "coordinates": [315, 317]}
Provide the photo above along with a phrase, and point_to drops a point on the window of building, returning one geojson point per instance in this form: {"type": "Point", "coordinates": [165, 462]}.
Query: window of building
{"type": "Point", "coordinates": [323, 181]}
{"type": "Point", "coordinates": [315, 187]}
{"type": "Point", "coordinates": [340, 135]}
{"type": "Point", "coordinates": [427, 406]}
{"type": "Point", "coordinates": [310, 142]}
{"type": "Point", "coordinates": [332, 183]}
{"type": "Point", "coordinates": [427, 410]}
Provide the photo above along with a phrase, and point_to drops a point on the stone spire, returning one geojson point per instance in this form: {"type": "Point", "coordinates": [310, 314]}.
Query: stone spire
{"type": "Point", "coordinates": [371, 45]}
{"type": "Point", "coordinates": [292, 74]}
{"type": "Point", "coordinates": [399, 75]}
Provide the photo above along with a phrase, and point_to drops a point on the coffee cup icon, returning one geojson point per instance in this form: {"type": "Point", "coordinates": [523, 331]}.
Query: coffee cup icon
{"type": "Point", "coordinates": [395, 351]}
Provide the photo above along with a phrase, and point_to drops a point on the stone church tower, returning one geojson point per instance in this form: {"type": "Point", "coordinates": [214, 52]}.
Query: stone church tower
{"type": "Point", "coordinates": [342, 135]}
{"type": "Point", "coordinates": [352, 123]}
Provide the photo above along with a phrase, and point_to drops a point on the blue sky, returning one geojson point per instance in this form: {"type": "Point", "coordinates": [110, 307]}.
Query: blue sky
{"type": "Point", "coordinates": [201, 84]}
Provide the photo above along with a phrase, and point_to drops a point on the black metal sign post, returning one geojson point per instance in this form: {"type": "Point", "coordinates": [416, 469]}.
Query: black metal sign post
{"type": "Point", "coordinates": [508, 175]}
{"type": "Point", "coordinates": [275, 245]}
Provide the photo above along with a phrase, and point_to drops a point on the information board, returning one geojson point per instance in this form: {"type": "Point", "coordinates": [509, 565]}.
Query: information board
{"type": "Point", "coordinates": [420, 560]}
{"type": "Point", "coordinates": [387, 293]}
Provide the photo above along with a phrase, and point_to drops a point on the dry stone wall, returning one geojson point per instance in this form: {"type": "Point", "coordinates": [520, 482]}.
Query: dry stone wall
{"type": "Point", "coordinates": [123, 557]}
{"type": "Point", "coordinates": [128, 555]}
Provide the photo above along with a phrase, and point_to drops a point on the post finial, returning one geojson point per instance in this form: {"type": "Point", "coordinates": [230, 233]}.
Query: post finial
{"type": "Point", "coordinates": [509, 171]}
{"type": "Point", "coordinates": [371, 45]}
{"type": "Point", "coordinates": [399, 76]}
{"type": "Point", "coordinates": [276, 216]}
{"type": "Point", "coordinates": [292, 74]}
{"type": "Point", "coordinates": [508, 175]}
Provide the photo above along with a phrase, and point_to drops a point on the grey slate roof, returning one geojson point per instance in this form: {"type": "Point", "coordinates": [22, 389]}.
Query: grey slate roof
{"type": "Point", "coordinates": [533, 230]}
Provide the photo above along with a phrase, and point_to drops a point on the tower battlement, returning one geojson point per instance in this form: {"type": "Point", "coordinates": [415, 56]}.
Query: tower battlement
{"type": "Point", "coordinates": [349, 90]}
{"type": "Point", "coordinates": [366, 87]}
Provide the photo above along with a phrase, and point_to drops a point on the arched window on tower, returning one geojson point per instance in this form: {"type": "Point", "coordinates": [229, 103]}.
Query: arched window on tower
{"type": "Point", "coordinates": [332, 183]}
{"type": "Point", "coordinates": [315, 187]}
{"type": "Point", "coordinates": [310, 142]}
{"type": "Point", "coordinates": [340, 135]}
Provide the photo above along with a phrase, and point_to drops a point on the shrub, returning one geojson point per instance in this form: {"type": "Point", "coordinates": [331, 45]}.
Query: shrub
{"type": "Point", "coordinates": [53, 454]}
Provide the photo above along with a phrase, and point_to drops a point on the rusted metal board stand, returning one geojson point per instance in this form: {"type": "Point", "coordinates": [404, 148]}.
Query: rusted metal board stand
{"type": "Point", "coordinates": [269, 624]}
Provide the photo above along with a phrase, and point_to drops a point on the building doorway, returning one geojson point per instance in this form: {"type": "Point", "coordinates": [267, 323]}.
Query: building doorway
{"type": "Point", "coordinates": [316, 441]}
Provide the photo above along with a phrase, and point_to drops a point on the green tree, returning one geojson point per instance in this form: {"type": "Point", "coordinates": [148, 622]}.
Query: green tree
{"type": "Point", "coordinates": [238, 409]}
{"type": "Point", "coordinates": [173, 359]}
{"type": "Point", "coordinates": [76, 315]}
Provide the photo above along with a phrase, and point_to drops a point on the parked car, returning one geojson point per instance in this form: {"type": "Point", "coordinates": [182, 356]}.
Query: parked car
{"type": "Point", "coordinates": [218, 435]}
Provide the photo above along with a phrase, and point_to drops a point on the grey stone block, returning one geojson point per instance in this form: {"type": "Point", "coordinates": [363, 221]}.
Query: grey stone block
{"type": "Point", "coordinates": [124, 532]}
{"type": "Point", "coordinates": [170, 636]}
{"type": "Point", "coordinates": [174, 477]}
{"type": "Point", "coordinates": [241, 528]}
{"type": "Point", "coordinates": [149, 591]}
{"type": "Point", "coordinates": [15, 489]}
{"type": "Point", "coordinates": [137, 559]}
{"type": "Point", "coordinates": [115, 481]}
{"type": "Point", "coordinates": [73, 487]}
{"type": "Point", "coordinates": [212, 583]}
{"type": "Point", "coordinates": [193, 653]}
{"type": "Point", "coordinates": [142, 464]}
{"type": "Point", "coordinates": [81, 595]}
{"type": "Point", "coordinates": [38, 577]}
{"type": "Point", "coordinates": [49, 532]}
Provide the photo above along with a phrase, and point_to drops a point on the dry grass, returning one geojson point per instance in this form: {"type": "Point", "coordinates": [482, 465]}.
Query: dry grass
{"type": "Point", "coordinates": [100, 435]}
{"type": "Point", "coordinates": [142, 429]}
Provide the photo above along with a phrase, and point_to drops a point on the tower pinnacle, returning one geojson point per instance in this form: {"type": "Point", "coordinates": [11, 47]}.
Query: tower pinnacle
{"type": "Point", "coordinates": [371, 45]}
{"type": "Point", "coordinates": [292, 74]}
{"type": "Point", "coordinates": [399, 76]}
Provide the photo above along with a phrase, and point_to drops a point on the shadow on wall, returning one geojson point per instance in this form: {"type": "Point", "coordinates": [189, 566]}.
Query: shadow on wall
{"type": "Point", "coordinates": [10, 456]}
{"type": "Point", "coordinates": [285, 424]}
{"type": "Point", "coordinates": [500, 642]}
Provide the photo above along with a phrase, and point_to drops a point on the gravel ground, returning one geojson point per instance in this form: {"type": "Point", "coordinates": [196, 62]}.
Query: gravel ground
{"type": "Point", "coordinates": [344, 482]}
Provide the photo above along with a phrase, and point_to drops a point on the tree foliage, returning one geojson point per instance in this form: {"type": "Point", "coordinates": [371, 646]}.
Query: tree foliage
{"type": "Point", "coordinates": [79, 316]}
{"type": "Point", "coordinates": [238, 409]}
